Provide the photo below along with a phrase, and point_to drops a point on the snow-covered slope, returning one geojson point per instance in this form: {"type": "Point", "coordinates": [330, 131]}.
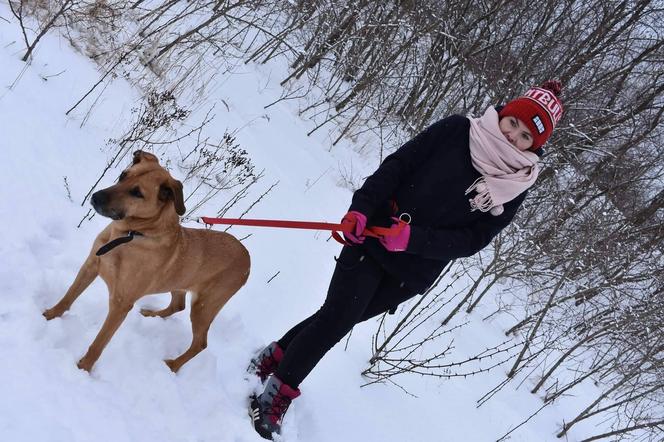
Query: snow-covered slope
{"type": "Point", "coordinates": [49, 161]}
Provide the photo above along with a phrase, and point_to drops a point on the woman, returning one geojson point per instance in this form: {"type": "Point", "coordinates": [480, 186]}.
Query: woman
{"type": "Point", "coordinates": [458, 184]}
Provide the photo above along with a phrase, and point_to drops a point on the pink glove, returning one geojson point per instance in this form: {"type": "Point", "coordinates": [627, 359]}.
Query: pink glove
{"type": "Point", "coordinates": [398, 242]}
{"type": "Point", "coordinates": [358, 222]}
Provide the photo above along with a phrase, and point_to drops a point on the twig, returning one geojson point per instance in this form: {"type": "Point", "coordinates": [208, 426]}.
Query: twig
{"type": "Point", "coordinates": [275, 275]}
{"type": "Point", "coordinates": [504, 437]}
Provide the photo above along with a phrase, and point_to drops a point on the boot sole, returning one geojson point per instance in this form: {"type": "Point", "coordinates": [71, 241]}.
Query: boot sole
{"type": "Point", "coordinates": [253, 412]}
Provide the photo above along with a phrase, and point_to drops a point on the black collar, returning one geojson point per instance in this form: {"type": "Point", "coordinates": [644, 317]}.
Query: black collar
{"type": "Point", "coordinates": [116, 242]}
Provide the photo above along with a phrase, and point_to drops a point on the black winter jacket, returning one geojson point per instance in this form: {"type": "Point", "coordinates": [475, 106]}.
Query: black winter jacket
{"type": "Point", "coordinates": [427, 178]}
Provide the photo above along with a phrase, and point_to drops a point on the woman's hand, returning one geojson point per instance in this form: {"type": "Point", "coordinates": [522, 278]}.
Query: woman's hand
{"type": "Point", "coordinates": [358, 223]}
{"type": "Point", "coordinates": [399, 241]}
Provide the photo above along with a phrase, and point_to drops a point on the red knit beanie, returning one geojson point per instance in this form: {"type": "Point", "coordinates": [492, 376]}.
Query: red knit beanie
{"type": "Point", "coordinates": [539, 108]}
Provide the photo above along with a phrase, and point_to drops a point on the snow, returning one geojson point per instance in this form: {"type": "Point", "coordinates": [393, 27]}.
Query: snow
{"type": "Point", "coordinates": [131, 395]}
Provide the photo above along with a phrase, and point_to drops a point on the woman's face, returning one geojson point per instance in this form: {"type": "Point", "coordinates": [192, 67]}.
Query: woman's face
{"type": "Point", "coordinates": [516, 132]}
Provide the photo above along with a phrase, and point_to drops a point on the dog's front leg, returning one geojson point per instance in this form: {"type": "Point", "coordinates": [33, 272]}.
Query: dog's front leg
{"type": "Point", "coordinates": [88, 272]}
{"type": "Point", "coordinates": [118, 308]}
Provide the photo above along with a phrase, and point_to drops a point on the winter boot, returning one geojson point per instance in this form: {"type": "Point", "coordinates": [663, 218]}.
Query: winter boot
{"type": "Point", "coordinates": [265, 363]}
{"type": "Point", "coordinates": [268, 410]}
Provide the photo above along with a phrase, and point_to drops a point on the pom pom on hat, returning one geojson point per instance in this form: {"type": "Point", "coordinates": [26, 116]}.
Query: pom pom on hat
{"type": "Point", "coordinates": [539, 109]}
{"type": "Point", "coordinates": [554, 86]}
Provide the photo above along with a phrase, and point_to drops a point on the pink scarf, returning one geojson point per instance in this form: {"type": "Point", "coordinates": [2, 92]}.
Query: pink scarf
{"type": "Point", "coordinates": [506, 171]}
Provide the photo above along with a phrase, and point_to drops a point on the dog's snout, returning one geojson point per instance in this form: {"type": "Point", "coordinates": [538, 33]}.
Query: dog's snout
{"type": "Point", "coordinates": [99, 199]}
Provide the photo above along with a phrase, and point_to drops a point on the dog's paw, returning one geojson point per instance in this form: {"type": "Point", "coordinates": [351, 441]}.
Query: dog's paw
{"type": "Point", "coordinates": [52, 313]}
{"type": "Point", "coordinates": [85, 364]}
{"type": "Point", "coordinates": [172, 364]}
{"type": "Point", "coordinates": [157, 313]}
{"type": "Point", "coordinates": [149, 313]}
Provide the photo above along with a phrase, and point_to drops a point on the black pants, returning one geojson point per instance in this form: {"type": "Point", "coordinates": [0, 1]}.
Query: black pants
{"type": "Point", "coordinates": [360, 289]}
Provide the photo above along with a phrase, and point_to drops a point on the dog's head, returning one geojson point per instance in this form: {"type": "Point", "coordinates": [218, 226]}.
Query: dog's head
{"type": "Point", "coordinates": [143, 191]}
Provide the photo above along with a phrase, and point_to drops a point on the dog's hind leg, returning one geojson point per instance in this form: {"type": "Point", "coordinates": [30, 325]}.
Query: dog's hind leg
{"type": "Point", "coordinates": [117, 312]}
{"type": "Point", "coordinates": [204, 308]}
{"type": "Point", "coordinates": [87, 274]}
{"type": "Point", "coordinates": [177, 305]}
{"type": "Point", "coordinates": [202, 315]}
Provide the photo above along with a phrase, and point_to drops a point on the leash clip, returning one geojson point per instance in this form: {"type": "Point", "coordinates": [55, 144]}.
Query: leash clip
{"type": "Point", "coordinates": [206, 225]}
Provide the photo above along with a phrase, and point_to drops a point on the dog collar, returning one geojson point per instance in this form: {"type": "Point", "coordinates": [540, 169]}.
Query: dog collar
{"type": "Point", "coordinates": [116, 242]}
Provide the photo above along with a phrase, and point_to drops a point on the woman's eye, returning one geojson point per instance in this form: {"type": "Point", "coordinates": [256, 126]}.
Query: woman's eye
{"type": "Point", "coordinates": [513, 122]}
{"type": "Point", "coordinates": [136, 192]}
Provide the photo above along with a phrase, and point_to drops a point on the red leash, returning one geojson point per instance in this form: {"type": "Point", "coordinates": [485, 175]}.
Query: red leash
{"type": "Point", "coordinates": [376, 232]}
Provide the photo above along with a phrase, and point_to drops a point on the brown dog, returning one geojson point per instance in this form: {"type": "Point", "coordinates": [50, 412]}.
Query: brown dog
{"type": "Point", "coordinates": [145, 251]}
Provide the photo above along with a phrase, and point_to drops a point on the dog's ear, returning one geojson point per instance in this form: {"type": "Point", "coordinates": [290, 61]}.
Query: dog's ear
{"type": "Point", "coordinates": [140, 155]}
{"type": "Point", "coordinates": [172, 190]}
